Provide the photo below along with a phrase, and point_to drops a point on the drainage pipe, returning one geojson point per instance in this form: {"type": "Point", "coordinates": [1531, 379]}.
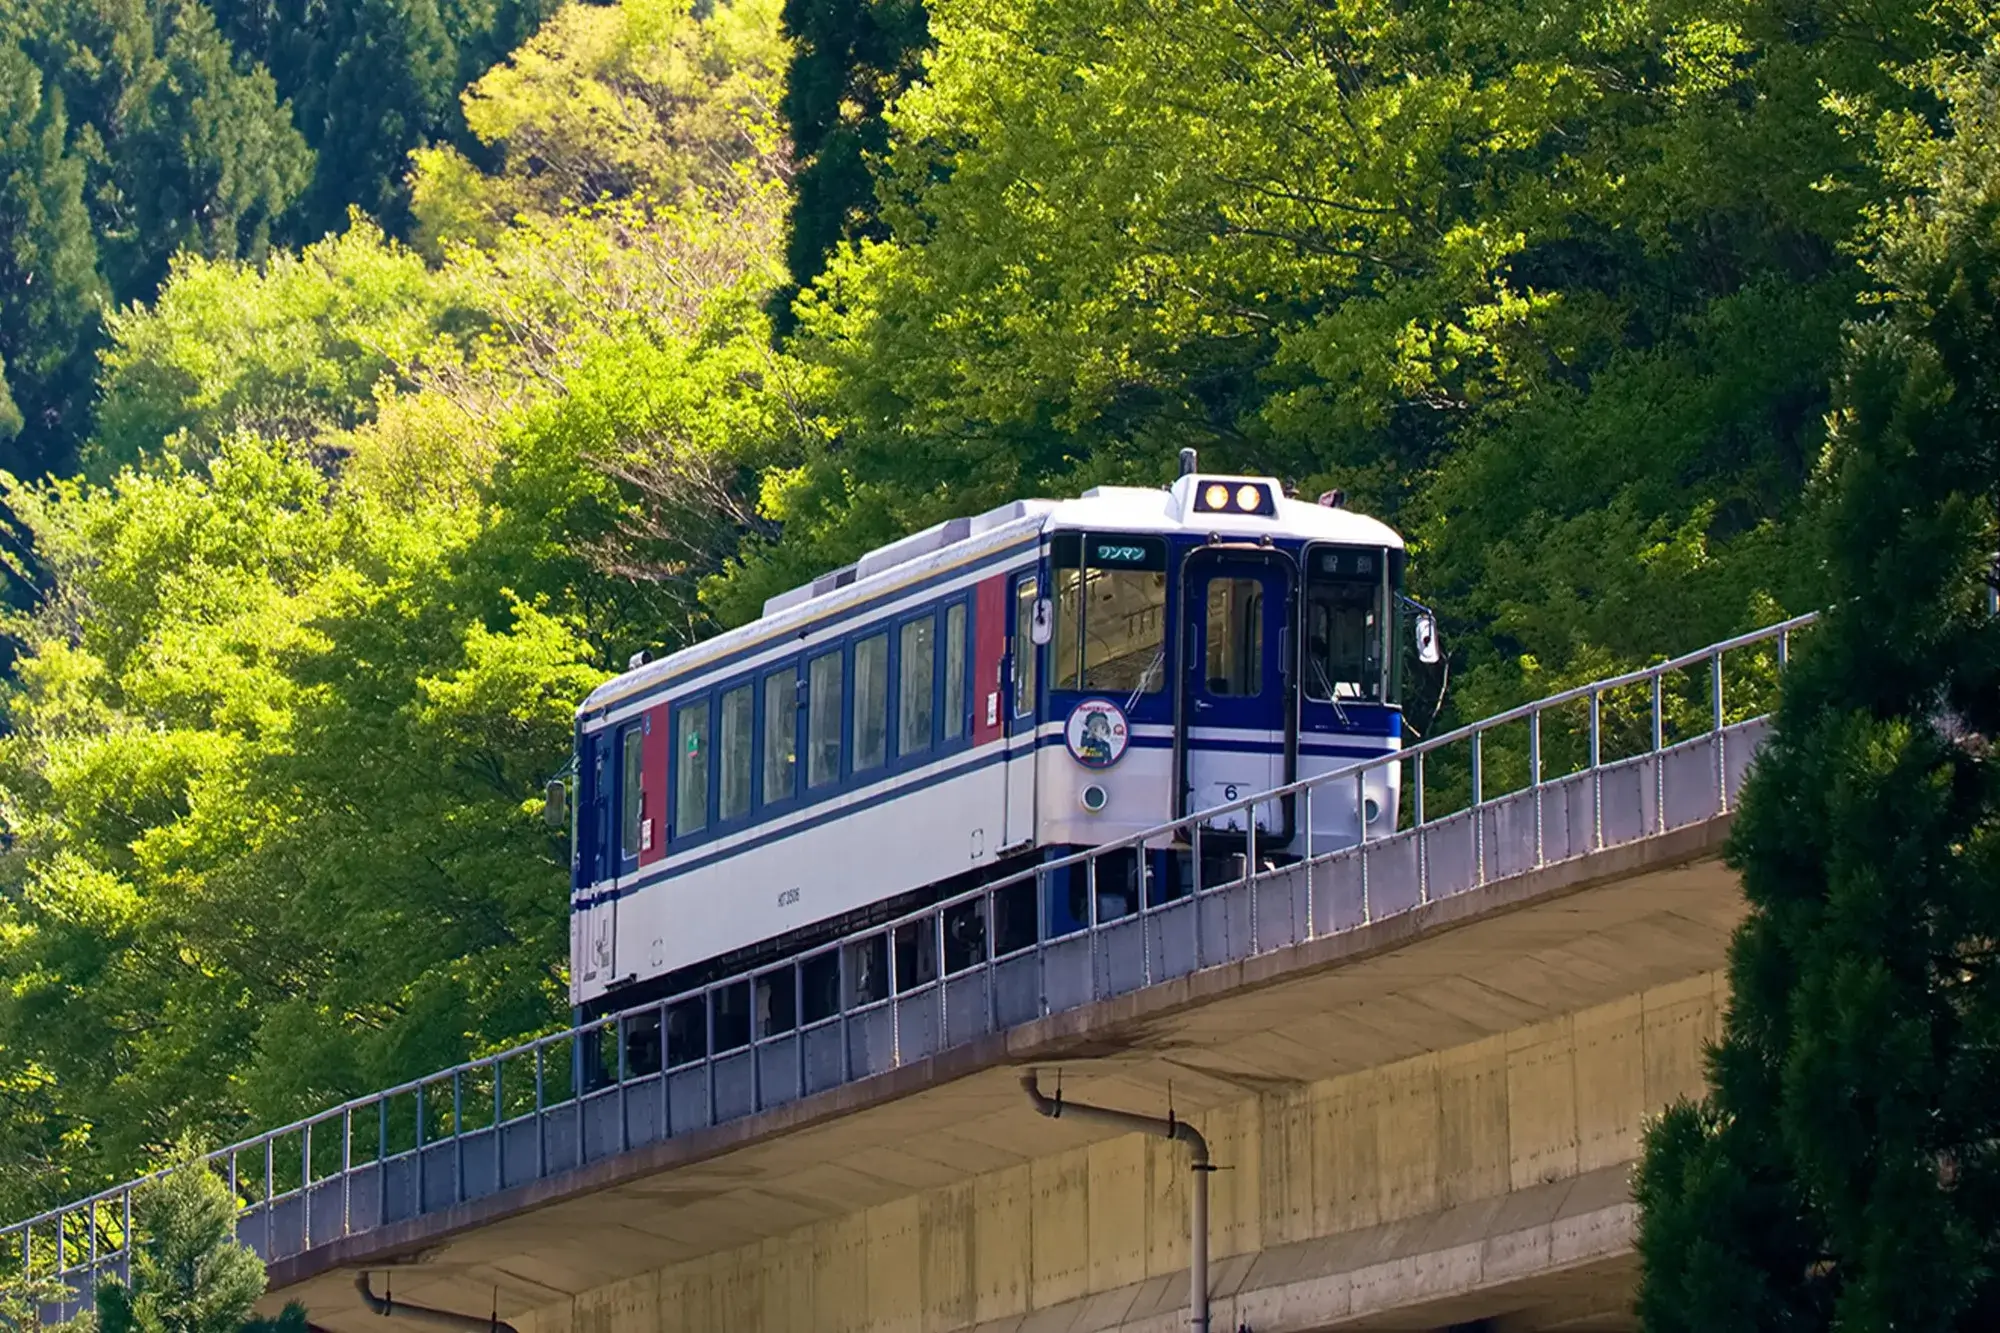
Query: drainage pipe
{"type": "Point", "coordinates": [1170, 1128]}
{"type": "Point", "coordinates": [464, 1323]}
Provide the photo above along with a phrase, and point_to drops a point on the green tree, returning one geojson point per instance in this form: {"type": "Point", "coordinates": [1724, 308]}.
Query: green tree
{"type": "Point", "coordinates": [1557, 294]}
{"type": "Point", "coordinates": [213, 159]}
{"type": "Point", "coordinates": [657, 100]}
{"type": "Point", "coordinates": [50, 295]}
{"type": "Point", "coordinates": [148, 138]}
{"type": "Point", "coordinates": [1841, 1172]}
{"type": "Point", "coordinates": [189, 1272]}
{"type": "Point", "coordinates": [850, 60]}
{"type": "Point", "coordinates": [371, 81]}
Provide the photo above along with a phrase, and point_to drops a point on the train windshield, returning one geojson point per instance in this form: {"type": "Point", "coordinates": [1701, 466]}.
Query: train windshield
{"type": "Point", "coordinates": [1110, 613]}
{"type": "Point", "coordinates": [1346, 609]}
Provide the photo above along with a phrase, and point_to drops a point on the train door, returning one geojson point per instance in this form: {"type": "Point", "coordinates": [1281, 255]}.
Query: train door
{"type": "Point", "coordinates": [1019, 705]}
{"type": "Point", "coordinates": [1236, 723]}
{"type": "Point", "coordinates": [593, 919]}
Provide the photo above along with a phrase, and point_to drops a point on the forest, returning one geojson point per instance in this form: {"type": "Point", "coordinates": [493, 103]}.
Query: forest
{"type": "Point", "coordinates": [377, 376]}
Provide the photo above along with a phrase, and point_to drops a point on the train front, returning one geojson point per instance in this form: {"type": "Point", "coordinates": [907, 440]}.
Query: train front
{"type": "Point", "coordinates": [1212, 643]}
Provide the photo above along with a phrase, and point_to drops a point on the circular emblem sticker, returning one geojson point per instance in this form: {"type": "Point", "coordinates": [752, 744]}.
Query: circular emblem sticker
{"type": "Point", "coordinates": [1096, 733]}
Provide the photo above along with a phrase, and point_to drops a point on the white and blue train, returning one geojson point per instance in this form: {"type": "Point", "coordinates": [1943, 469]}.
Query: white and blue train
{"type": "Point", "coordinates": [993, 691]}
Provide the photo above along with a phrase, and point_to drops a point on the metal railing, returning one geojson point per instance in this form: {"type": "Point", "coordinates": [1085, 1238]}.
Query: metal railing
{"type": "Point", "coordinates": [1579, 771]}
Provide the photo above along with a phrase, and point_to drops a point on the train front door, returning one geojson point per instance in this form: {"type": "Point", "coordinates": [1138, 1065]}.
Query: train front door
{"type": "Point", "coordinates": [1236, 726]}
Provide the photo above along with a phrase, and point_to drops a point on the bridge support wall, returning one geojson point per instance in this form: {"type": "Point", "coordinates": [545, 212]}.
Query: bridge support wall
{"type": "Point", "coordinates": [1396, 1194]}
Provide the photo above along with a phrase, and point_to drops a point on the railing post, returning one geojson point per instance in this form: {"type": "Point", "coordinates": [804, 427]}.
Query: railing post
{"type": "Point", "coordinates": [381, 1164]}
{"type": "Point", "coordinates": [1478, 815]}
{"type": "Point", "coordinates": [1250, 885]}
{"type": "Point", "coordinates": [943, 990]}
{"type": "Point", "coordinates": [798, 1041]}
{"type": "Point", "coordinates": [1043, 888]}
{"type": "Point", "coordinates": [618, 1035]}
{"type": "Point", "coordinates": [1715, 712]}
{"type": "Point", "coordinates": [126, 1222]}
{"type": "Point", "coordinates": [346, 1170]}
{"type": "Point", "coordinates": [1596, 772]}
{"type": "Point", "coordinates": [707, 1063]}
{"type": "Point", "coordinates": [991, 964]}
{"type": "Point", "coordinates": [270, 1213]}
{"type": "Point", "coordinates": [895, 1001]}
{"type": "Point", "coordinates": [844, 982]}
{"type": "Point", "coordinates": [1090, 916]}
{"type": "Point", "coordinates": [1361, 839]}
{"type": "Point", "coordinates": [541, 1114]}
{"type": "Point", "coordinates": [1659, 758]}
{"type": "Point", "coordinates": [418, 1208]}
{"type": "Point", "coordinates": [1306, 832]}
{"type": "Point", "coordinates": [1194, 890]}
{"type": "Point", "coordinates": [499, 1139]}
{"type": "Point", "coordinates": [305, 1186]}
{"type": "Point", "coordinates": [1423, 834]}
{"type": "Point", "coordinates": [457, 1136]}
{"type": "Point", "coordinates": [1535, 781]}
{"type": "Point", "coordinates": [666, 1080]}
{"type": "Point", "coordinates": [1142, 859]}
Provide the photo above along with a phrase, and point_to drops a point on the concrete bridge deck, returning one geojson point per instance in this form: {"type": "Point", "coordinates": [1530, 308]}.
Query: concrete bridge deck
{"type": "Point", "coordinates": [1420, 1122]}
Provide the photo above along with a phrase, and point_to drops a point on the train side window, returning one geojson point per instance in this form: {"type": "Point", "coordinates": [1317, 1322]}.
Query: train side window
{"type": "Point", "coordinates": [631, 789]}
{"type": "Point", "coordinates": [871, 702]}
{"type": "Point", "coordinates": [1066, 648]}
{"type": "Point", "coordinates": [1235, 633]}
{"type": "Point", "coordinates": [954, 671]}
{"type": "Point", "coordinates": [733, 753]}
{"type": "Point", "coordinates": [691, 768]}
{"type": "Point", "coordinates": [781, 735]}
{"type": "Point", "coordinates": [823, 720]}
{"type": "Point", "coordinates": [600, 809]}
{"type": "Point", "coordinates": [1026, 589]}
{"type": "Point", "coordinates": [916, 685]}
{"type": "Point", "coordinates": [1344, 611]}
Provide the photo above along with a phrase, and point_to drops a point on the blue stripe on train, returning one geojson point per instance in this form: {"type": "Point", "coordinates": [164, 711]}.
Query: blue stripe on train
{"type": "Point", "coordinates": [973, 763]}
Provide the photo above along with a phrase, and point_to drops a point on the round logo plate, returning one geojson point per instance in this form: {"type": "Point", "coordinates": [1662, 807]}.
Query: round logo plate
{"type": "Point", "coordinates": [1096, 733]}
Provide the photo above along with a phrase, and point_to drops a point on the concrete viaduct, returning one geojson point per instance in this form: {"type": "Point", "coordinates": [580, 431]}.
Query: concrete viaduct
{"type": "Point", "coordinates": [1427, 1122]}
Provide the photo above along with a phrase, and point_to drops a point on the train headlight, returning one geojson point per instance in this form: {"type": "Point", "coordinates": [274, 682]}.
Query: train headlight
{"type": "Point", "coordinates": [1236, 497]}
{"type": "Point", "coordinates": [1094, 799]}
{"type": "Point", "coordinates": [1371, 809]}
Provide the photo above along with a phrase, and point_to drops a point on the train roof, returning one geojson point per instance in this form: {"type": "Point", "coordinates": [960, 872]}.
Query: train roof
{"type": "Point", "coordinates": [1120, 509]}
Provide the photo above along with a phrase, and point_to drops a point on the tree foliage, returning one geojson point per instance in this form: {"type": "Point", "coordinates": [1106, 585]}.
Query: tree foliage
{"type": "Point", "coordinates": [358, 533]}
{"type": "Point", "coordinates": [1842, 1170]}
{"type": "Point", "coordinates": [50, 293]}
{"type": "Point", "coordinates": [850, 60]}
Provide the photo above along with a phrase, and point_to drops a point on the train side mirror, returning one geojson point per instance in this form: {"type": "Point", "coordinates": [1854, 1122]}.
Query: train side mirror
{"type": "Point", "coordinates": [1042, 628]}
{"type": "Point", "coordinates": [1425, 628]}
{"type": "Point", "coordinates": [555, 803]}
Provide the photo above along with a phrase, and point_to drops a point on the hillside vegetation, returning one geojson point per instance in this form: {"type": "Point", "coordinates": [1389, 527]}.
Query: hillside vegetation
{"type": "Point", "coordinates": [358, 514]}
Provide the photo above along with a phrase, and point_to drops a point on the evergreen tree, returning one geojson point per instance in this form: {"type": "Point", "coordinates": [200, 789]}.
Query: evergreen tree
{"type": "Point", "coordinates": [189, 1273]}
{"type": "Point", "coordinates": [183, 142]}
{"type": "Point", "coordinates": [214, 157]}
{"type": "Point", "coordinates": [50, 296]}
{"type": "Point", "coordinates": [850, 58]}
{"type": "Point", "coordinates": [1844, 1170]}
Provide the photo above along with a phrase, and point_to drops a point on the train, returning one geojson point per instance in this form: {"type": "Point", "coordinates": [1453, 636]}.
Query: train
{"type": "Point", "coordinates": [989, 693]}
